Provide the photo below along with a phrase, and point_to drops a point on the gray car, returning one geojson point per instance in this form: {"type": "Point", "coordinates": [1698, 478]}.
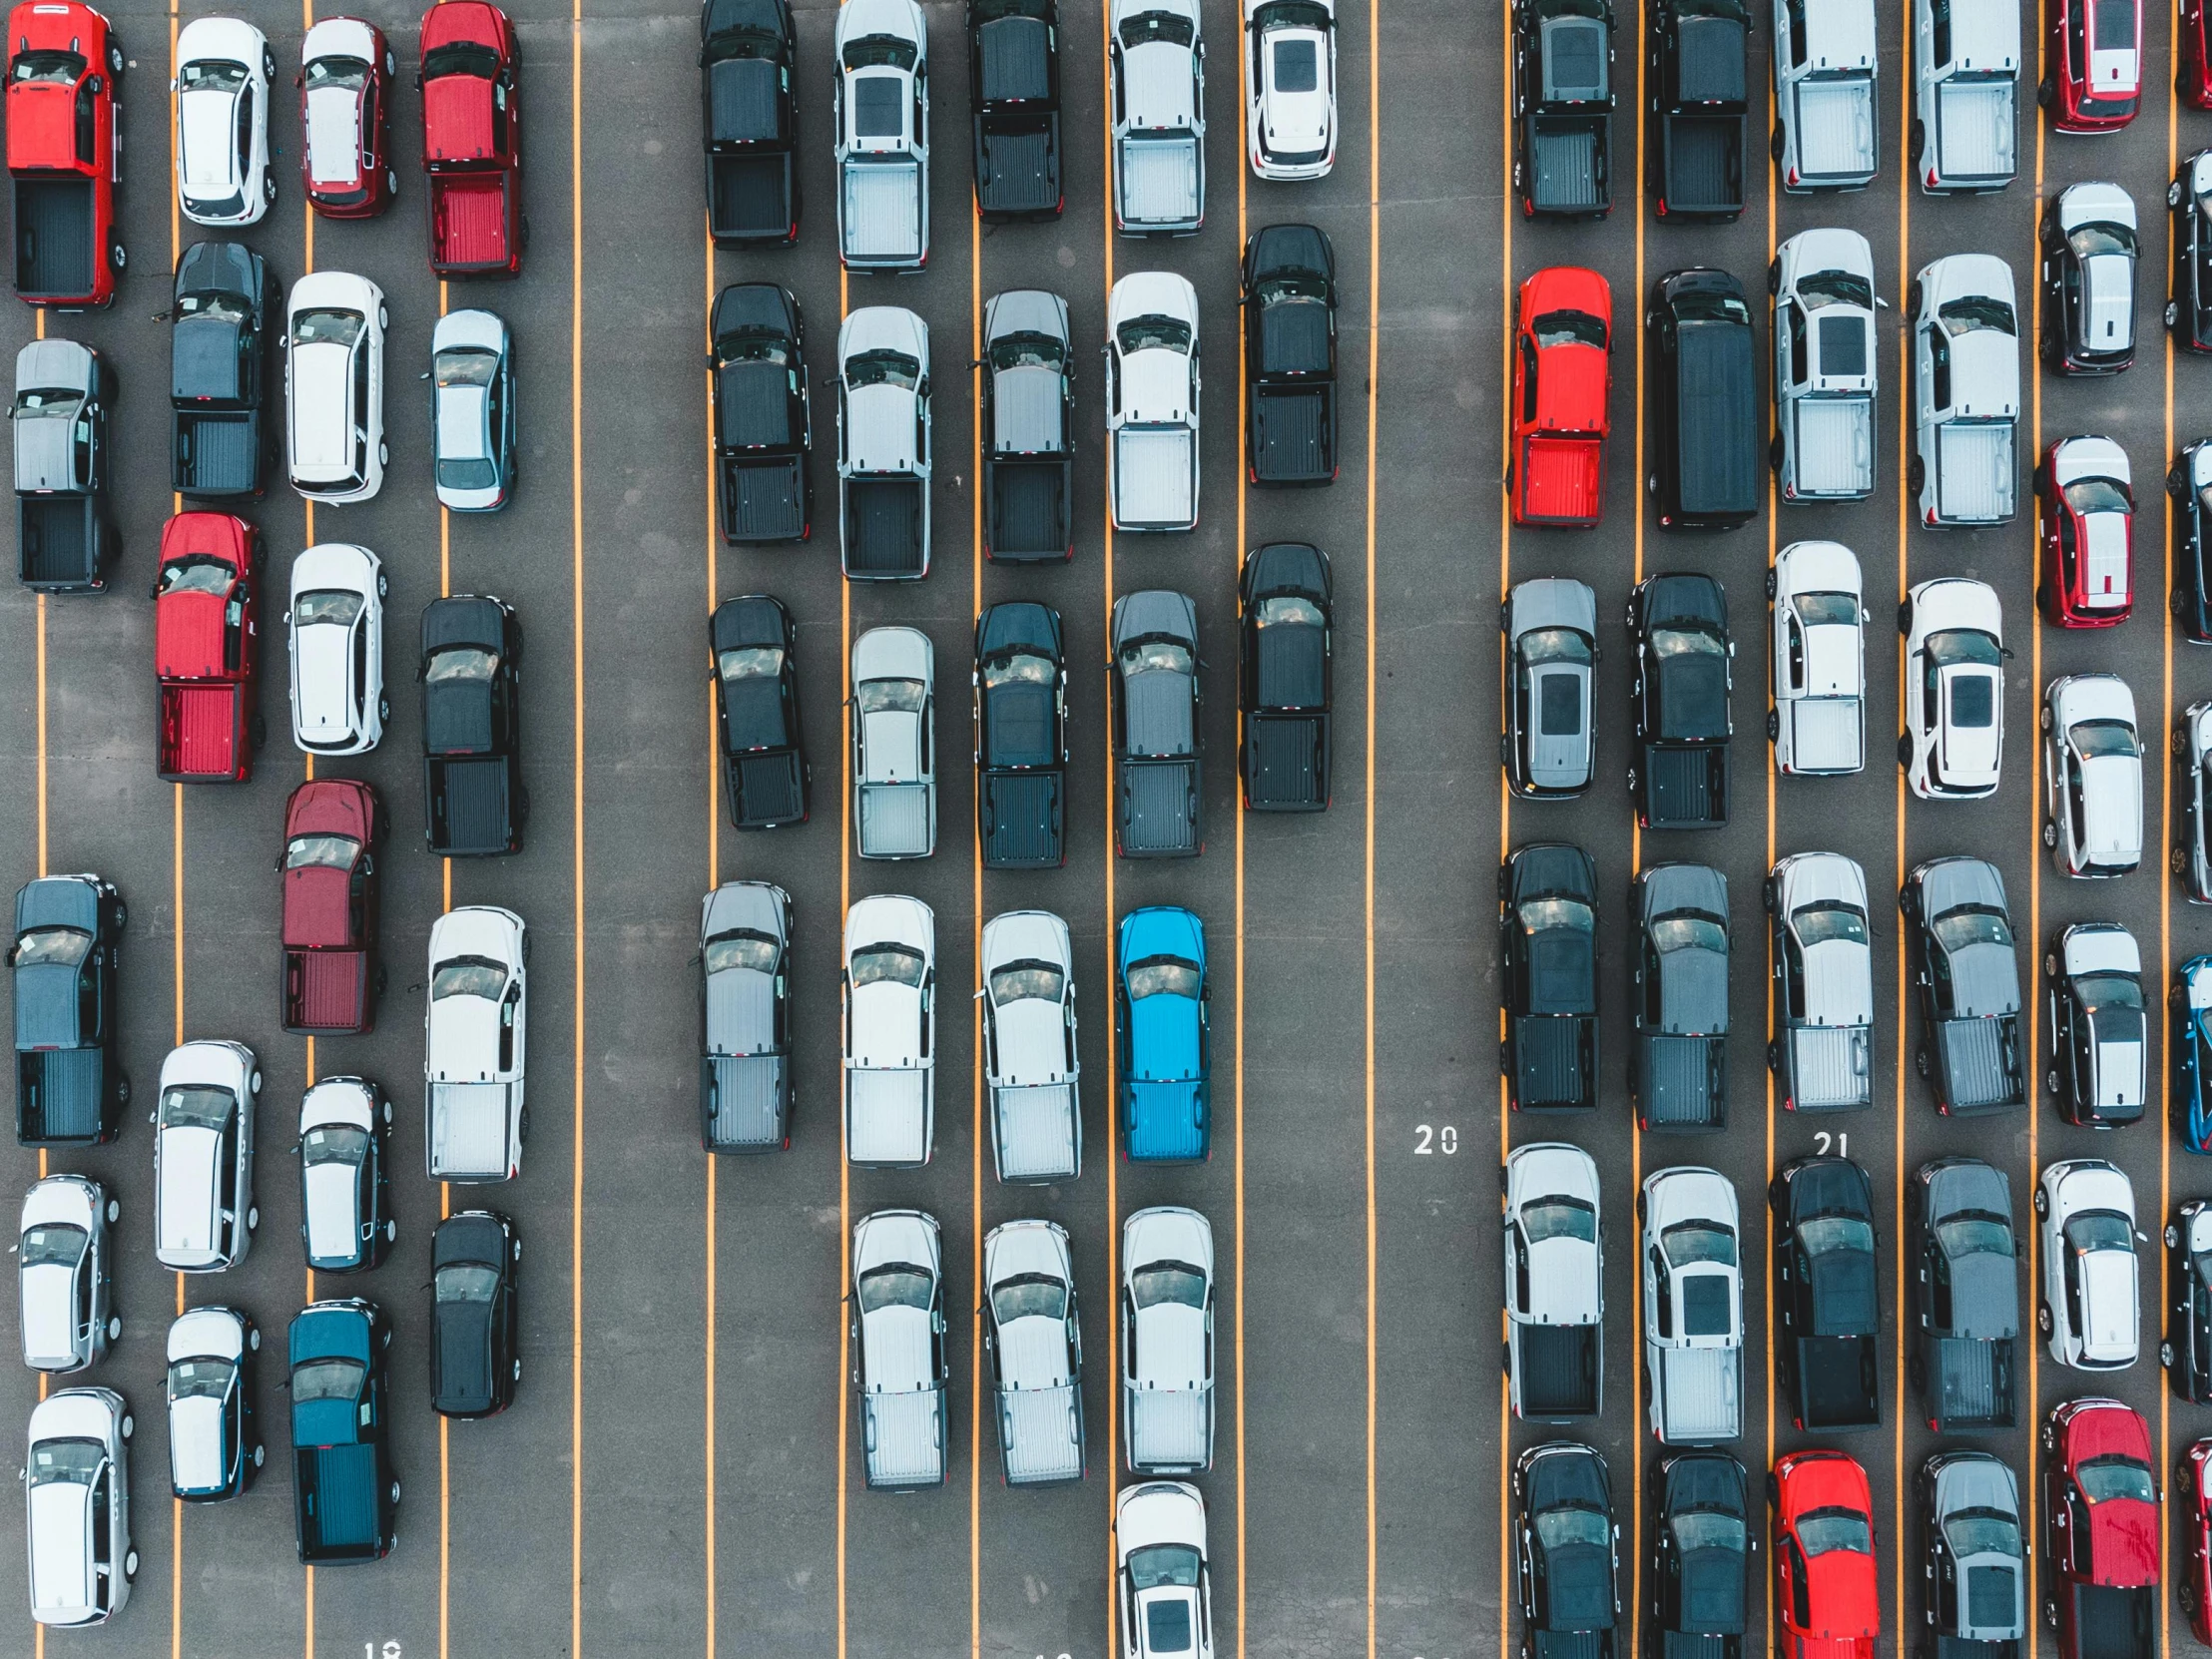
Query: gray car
{"type": "Point", "coordinates": [1966, 1292]}
{"type": "Point", "coordinates": [1977, 1561]}
{"type": "Point", "coordinates": [745, 1075]}
{"type": "Point", "coordinates": [60, 426]}
{"type": "Point", "coordinates": [65, 1273]}
{"type": "Point", "coordinates": [1550, 627]}
{"type": "Point", "coordinates": [1155, 723]}
{"type": "Point", "coordinates": [473, 411]}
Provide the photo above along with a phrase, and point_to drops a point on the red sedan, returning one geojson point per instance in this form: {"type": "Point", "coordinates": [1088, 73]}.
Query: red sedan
{"type": "Point", "coordinates": [345, 74]}
{"type": "Point", "coordinates": [2087, 511]}
{"type": "Point", "coordinates": [207, 648]}
{"type": "Point", "coordinates": [2100, 1506]}
{"type": "Point", "coordinates": [2195, 1589]}
{"type": "Point", "coordinates": [331, 906]}
{"type": "Point", "coordinates": [2094, 82]}
{"type": "Point", "coordinates": [1827, 1596]}
{"type": "Point", "coordinates": [1562, 385]}
{"type": "Point", "coordinates": [64, 153]}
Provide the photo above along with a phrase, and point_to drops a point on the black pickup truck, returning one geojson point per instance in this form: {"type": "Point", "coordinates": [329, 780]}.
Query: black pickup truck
{"type": "Point", "coordinates": [764, 775]}
{"type": "Point", "coordinates": [471, 676]}
{"type": "Point", "coordinates": [1970, 1050]}
{"type": "Point", "coordinates": [747, 49]}
{"type": "Point", "coordinates": [1290, 314]}
{"type": "Point", "coordinates": [1678, 628]}
{"type": "Point", "coordinates": [219, 371]}
{"type": "Point", "coordinates": [1563, 107]}
{"type": "Point", "coordinates": [1021, 753]}
{"type": "Point", "coordinates": [1699, 78]}
{"type": "Point", "coordinates": [764, 414]}
{"type": "Point", "coordinates": [1028, 419]}
{"type": "Point", "coordinates": [1968, 1291]}
{"type": "Point", "coordinates": [64, 536]}
{"type": "Point", "coordinates": [1547, 973]}
{"type": "Point", "coordinates": [1678, 986]}
{"type": "Point", "coordinates": [1156, 733]}
{"type": "Point", "coordinates": [1286, 626]}
{"type": "Point", "coordinates": [69, 1088]}
{"type": "Point", "coordinates": [1826, 1298]}
{"type": "Point", "coordinates": [1014, 84]}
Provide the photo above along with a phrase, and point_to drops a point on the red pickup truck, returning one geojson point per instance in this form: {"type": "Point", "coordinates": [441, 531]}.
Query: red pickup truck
{"type": "Point", "coordinates": [205, 645]}
{"type": "Point", "coordinates": [331, 978]}
{"type": "Point", "coordinates": [472, 140]}
{"type": "Point", "coordinates": [2101, 1522]}
{"type": "Point", "coordinates": [1562, 383]}
{"type": "Point", "coordinates": [64, 153]}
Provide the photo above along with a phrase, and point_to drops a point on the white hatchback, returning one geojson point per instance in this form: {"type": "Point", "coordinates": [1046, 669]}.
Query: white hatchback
{"type": "Point", "coordinates": [77, 1507]}
{"type": "Point", "coordinates": [1291, 87]}
{"type": "Point", "coordinates": [203, 1212]}
{"type": "Point", "coordinates": [336, 643]}
{"type": "Point", "coordinates": [1166, 1594]}
{"type": "Point", "coordinates": [223, 71]}
{"type": "Point", "coordinates": [2091, 1299]}
{"type": "Point", "coordinates": [334, 387]}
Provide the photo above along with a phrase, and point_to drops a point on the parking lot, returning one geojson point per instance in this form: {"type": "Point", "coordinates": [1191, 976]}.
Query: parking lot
{"type": "Point", "coordinates": [681, 1472]}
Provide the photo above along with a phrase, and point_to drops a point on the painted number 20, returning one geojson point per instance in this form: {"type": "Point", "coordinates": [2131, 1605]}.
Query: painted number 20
{"type": "Point", "coordinates": [1429, 1139]}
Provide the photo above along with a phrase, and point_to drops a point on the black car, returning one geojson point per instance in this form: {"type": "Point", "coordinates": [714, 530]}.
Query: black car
{"type": "Point", "coordinates": [1284, 628]}
{"type": "Point", "coordinates": [1678, 632]}
{"type": "Point", "coordinates": [747, 52]}
{"type": "Point", "coordinates": [1707, 470]}
{"type": "Point", "coordinates": [2089, 255]}
{"type": "Point", "coordinates": [69, 1087]}
{"type": "Point", "coordinates": [1827, 1303]}
{"type": "Point", "coordinates": [345, 1219]}
{"type": "Point", "coordinates": [764, 414]}
{"type": "Point", "coordinates": [1678, 987]}
{"type": "Point", "coordinates": [2187, 1351]}
{"type": "Point", "coordinates": [2189, 487]}
{"type": "Point", "coordinates": [764, 761]}
{"type": "Point", "coordinates": [1290, 317]}
{"type": "Point", "coordinates": [1702, 1544]}
{"type": "Point", "coordinates": [1569, 1559]}
{"type": "Point", "coordinates": [1970, 1504]}
{"type": "Point", "coordinates": [2189, 199]}
{"type": "Point", "coordinates": [1547, 977]}
{"type": "Point", "coordinates": [2099, 1029]}
{"type": "Point", "coordinates": [1961, 951]}
{"type": "Point", "coordinates": [472, 676]}
{"type": "Point", "coordinates": [1967, 1276]}
{"type": "Point", "coordinates": [1562, 108]}
{"type": "Point", "coordinates": [1014, 87]}
{"type": "Point", "coordinates": [1021, 748]}
{"type": "Point", "coordinates": [475, 1315]}
{"type": "Point", "coordinates": [218, 371]}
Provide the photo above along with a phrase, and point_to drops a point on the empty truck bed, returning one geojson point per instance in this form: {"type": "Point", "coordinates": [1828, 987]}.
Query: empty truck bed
{"type": "Point", "coordinates": [468, 1131]}
{"type": "Point", "coordinates": [322, 989]}
{"type": "Point", "coordinates": [1828, 734]}
{"type": "Point", "coordinates": [1831, 1067]}
{"type": "Point", "coordinates": [1558, 1370]}
{"type": "Point", "coordinates": [1548, 1051]}
{"type": "Point", "coordinates": [1170, 1430]}
{"type": "Point", "coordinates": [882, 526]}
{"type": "Point", "coordinates": [1285, 757]}
{"type": "Point", "coordinates": [1039, 1427]}
{"type": "Point", "coordinates": [199, 735]}
{"type": "Point", "coordinates": [54, 251]}
{"type": "Point", "coordinates": [887, 1116]}
{"type": "Point", "coordinates": [1834, 446]}
{"type": "Point", "coordinates": [218, 454]}
{"type": "Point", "coordinates": [338, 1500]}
{"type": "Point", "coordinates": [1974, 130]}
{"type": "Point", "coordinates": [1022, 820]}
{"type": "Point", "coordinates": [1978, 1063]}
{"type": "Point", "coordinates": [1704, 163]}
{"type": "Point", "coordinates": [1036, 1132]}
{"type": "Point", "coordinates": [750, 195]}
{"type": "Point", "coordinates": [1159, 808]}
{"type": "Point", "coordinates": [1291, 436]}
{"type": "Point", "coordinates": [1566, 153]}
{"type": "Point", "coordinates": [468, 218]}
{"type": "Point", "coordinates": [763, 500]}
{"type": "Point", "coordinates": [904, 1438]}
{"type": "Point", "coordinates": [1014, 174]}
{"type": "Point", "coordinates": [54, 540]}
{"type": "Point", "coordinates": [1159, 181]}
{"type": "Point", "coordinates": [895, 821]}
{"type": "Point", "coordinates": [57, 1094]}
{"type": "Point", "coordinates": [468, 802]}
{"type": "Point", "coordinates": [1974, 471]}
{"type": "Point", "coordinates": [1973, 1382]}
{"type": "Point", "coordinates": [1699, 1389]}
{"type": "Point", "coordinates": [1029, 516]}
{"type": "Point", "coordinates": [746, 1094]}
{"type": "Point", "coordinates": [1680, 1087]}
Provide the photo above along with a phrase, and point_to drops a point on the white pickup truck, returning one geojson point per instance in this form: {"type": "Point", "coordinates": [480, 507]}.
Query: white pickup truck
{"type": "Point", "coordinates": [1028, 999]}
{"type": "Point", "coordinates": [890, 1029]}
{"type": "Point", "coordinates": [900, 1365]}
{"type": "Point", "coordinates": [882, 149]}
{"type": "Point", "coordinates": [1156, 61]}
{"type": "Point", "coordinates": [473, 1040]}
{"type": "Point", "coordinates": [1693, 1306]}
{"type": "Point", "coordinates": [1965, 391]}
{"type": "Point", "coordinates": [1966, 81]}
{"type": "Point", "coordinates": [1824, 94]}
{"type": "Point", "coordinates": [1036, 1349]}
{"type": "Point", "coordinates": [1152, 393]}
{"type": "Point", "coordinates": [1818, 722]}
{"type": "Point", "coordinates": [1825, 367]}
{"type": "Point", "coordinates": [1167, 1317]}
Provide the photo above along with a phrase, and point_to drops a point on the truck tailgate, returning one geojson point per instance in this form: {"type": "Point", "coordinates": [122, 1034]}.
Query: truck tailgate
{"type": "Point", "coordinates": [1974, 471]}
{"type": "Point", "coordinates": [1835, 122]}
{"type": "Point", "coordinates": [1170, 1430]}
{"type": "Point", "coordinates": [1562, 481]}
{"type": "Point", "coordinates": [1022, 820]}
{"type": "Point", "coordinates": [1159, 808]}
{"type": "Point", "coordinates": [1167, 1123]}
{"type": "Point", "coordinates": [1040, 1435]}
{"type": "Point", "coordinates": [1549, 1054]}
{"type": "Point", "coordinates": [887, 1116]}
{"type": "Point", "coordinates": [881, 223]}
{"type": "Point", "coordinates": [1827, 734]}
{"type": "Point", "coordinates": [1833, 448]}
{"type": "Point", "coordinates": [1977, 1063]}
{"type": "Point", "coordinates": [337, 1490]}
{"type": "Point", "coordinates": [771, 786]}
{"type": "Point", "coordinates": [1037, 1136]}
{"type": "Point", "coordinates": [747, 1092]}
{"type": "Point", "coordinates": [1837, 1375]}
{"type": "Point", "coordinates": [1566, 156]}
{"type": "Point", "coordinates": [1290, 434]}
{"type": "Point", "coordinates": [1831, 1067]}
{"type": "Point", "coordinates": [882, 526]}
{"type": "Point", "coordinates": [903, 1436]}
{"type": "Point", "coordinates": [1704, 164]}
{"type": "Point", "coordinates": [468, 1131]}
{"type": "Point", "coordinates": [1284, 758]}
{"type": "Point", "coordinates": [54, 540]}
{"type": "Point", "coordinates": [763, 500]}
{"type": "Point", "coordinates": [1973, 1382]}
{"type": "Point", "coordinates": [1015, 172]}
{"type": "Point", "coordinates": [749, 198]}
{"type": "Point", "coordinates": [200, 731]}
{"type": "Point", "coordinates": [54, 252]}
{"type": "Point", "coordinates": [324, 990]}
{"type": "Point", "coordinates": [895, 821]}
{"type": "Point", "coordinates": [1700, 1391]}
{"type": "Point", "coordinates": [1974, 137]}
{"type": "Point", "coordinates": [59, 1094]}
{"type": "Point", "coordinates": [1680, 1086]}
{"type": "Point", "coordinates": [1157, 179]}
{"type": "Point", "coordinates": [218, 454]}
{"type": "Point", "coordinates": [1687, 787]}
{"type": "Point", "coordinates": [1030, 513]}
{"type": "Point", "coordinates": [1558, 1370]}
{"type": "Point", "coordinates": [1154, 487]}
{"type": "Point", "coordinates": [468, 220]}
{"type": "Point", "coordinates": [468, 804]}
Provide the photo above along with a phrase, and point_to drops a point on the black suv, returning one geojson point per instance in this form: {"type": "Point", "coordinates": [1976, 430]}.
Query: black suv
{"type": "Point", "coordinates": [471, 678]}
{"type": "Point", "coordinates": [475, 1315]}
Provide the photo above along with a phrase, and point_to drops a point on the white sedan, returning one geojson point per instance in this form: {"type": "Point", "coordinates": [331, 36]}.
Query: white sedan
{"type": "Point", "coordinates": [223, 69]}
{"type": "Point", "coordinates": [2091, 1303]}
{"type": "Point", "coordinates": [334, 386]}
{"type": "Point", "coordinates": [337, 628]}
{"type": "Point", "coordinates": [1291, 87]}
{"type": "Point", "coordinates": [1167, 1593]}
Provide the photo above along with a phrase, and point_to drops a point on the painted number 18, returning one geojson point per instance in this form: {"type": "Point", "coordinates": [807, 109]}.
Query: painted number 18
{"type": "Point", "coordinates": [390, 1650]}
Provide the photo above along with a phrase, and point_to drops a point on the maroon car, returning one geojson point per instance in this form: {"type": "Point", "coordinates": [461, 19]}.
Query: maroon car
{"type": "Point", "coordinates": [345, 75]}
{"type": "Point", "coordinates": [332, 976]}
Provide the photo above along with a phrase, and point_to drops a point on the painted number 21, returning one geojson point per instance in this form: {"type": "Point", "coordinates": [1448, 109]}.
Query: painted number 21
{"type": "Point", "coordinates": [1822, 1139]}
{"type": "Point", "coordinates": [1429, 1139]}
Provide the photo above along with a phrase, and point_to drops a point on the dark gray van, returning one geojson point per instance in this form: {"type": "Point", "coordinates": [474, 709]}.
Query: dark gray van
{"type": "Point", "coordinates": [1706, 467]}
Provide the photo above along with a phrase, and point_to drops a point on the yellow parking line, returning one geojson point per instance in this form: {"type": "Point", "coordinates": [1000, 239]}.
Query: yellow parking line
{"type": "Point", "coordinates": [1766, 1279]}
{"type": "Point", "coordinates": [844, 1165]}
{"type": "Point", "coordinates": [1906, 183]}
{"type": "Point", "coordinates": [2166, 836]}
{"type": "Point", "coordinates": [714, 880]}
{"type": "Point", "coordinates": [2035, 838]}
{"type": "Point", "coordinates": [975, 1008]}
{"type": "Point", "coordinates": [1236, 1169]}
{"type": "Point", "coordinates": [1374, 376]}
{"type": "Point", "coordinates": [1635, 1130]}
{"type": "Point", "coordinates": [1113, 1087]}
{"type": "Point", "coordinates": [576, 875]}
{"type": "Point", "coordinates": [1504, 792]}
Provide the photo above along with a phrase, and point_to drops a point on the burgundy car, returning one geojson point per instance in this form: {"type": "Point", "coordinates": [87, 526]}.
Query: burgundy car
{"type": "Point", "coordinates": [345, 72]}
{"type": "Point", "coordinates": [2094, 82]}
{"type": "Point", "coordinates": [2195, 1589]}
{"type": "Point", "coordinates": [331, 976]}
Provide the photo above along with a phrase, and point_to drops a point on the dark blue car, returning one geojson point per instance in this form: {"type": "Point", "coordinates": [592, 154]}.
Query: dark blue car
{"type": "Point", "coordinates": [1160, 1022]}
{"type": "Point", "coordinates": [2192, 1052]}
{"type": "Point", "coordinates": [346, 1496]}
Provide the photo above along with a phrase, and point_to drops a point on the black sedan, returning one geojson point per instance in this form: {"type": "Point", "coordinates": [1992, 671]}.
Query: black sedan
{"type": "Point", "coordinates": [1021, 743]}
{"type": "Point", "coordinates": [1569, 1557]}
{"type": "Point", "coordinates": [2189, 487]}
{"type": "Point", "coordinates": [1702, 1544]}
{"type": "Point", "coordinates": [475, 1315]}
{"type": "Point", "coordinates": [1284, 645]}
{"type": "Point", "coordinates": [2189, 199]}
{"type": "Point", "coordinates": [2187, 1351]}
{"type": "Point", "coordinates": [764, 763]}
{"type": "Point", "coordinates": [1547, 962]}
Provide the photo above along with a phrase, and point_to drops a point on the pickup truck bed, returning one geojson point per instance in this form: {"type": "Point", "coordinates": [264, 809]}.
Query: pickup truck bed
{"type": "Point", "coordinates": [1291, 436]}
{"type": "Point", "coordinates": [764, 499]}
{"type": "Point", "coordinates": [470, 813]}
{"type": "Point", "coordinates": [1970, 1383]}
{"type": "Point", "coordinates": [1014, 169]}
{"type": "Point", "coordinates": [1558, 1370]}
{"type": "Point", "coordinates": [200, 736]}
{"type": "Point", "coordinates": [903, 1435]}
{"type": "Point", "coordinates": [882, 526]}
{"type": "Point", "coordinates": [218, 454]}
{"type": "Point", "coordinates": [1827, 734]}
{"type": "Point", "coordinates": [749, 198]}
{"type": "Point", "coordinates": [337, 1490]}
{"type": "Point", "coordinates": [1036, 1132]}
{"type": "Point", "coordinates": [326, 990]}
{"type": "Point", "coordinates": [1685, 788]}
{"type": "Point", "coordinates": [1566, 158]}
{"type": "Point", "coordinates": [1699, 1391]}
{"type": "Point", "coordinates": [887, 1121]}
{"type": "Point", "coordinates": [1287, 761]}
{"type": "Point", "coordinates": [1975, 482]}
{"type": "Point", "coordinates": [1831, 1067]}
{"type": "Point", "coordinates": [895, 821]}
{"type": "Point", "coordinates": [468, 1131]}
{"type": "Point", "coordinates": [1836, 125]}
{"type": "Point", "coordinates": [1974, 130]}
{"type": "Point", "coordinates": [1153, 480]}
{"type": "Point", "coordinates": [1554, 1061]}
{"type": "Point", "coordinates": [1702, 160]}
{"type": "Point", "coordinates": [59, 1093]}
{"type": "Point", "coordinates": [745, 1098]}
{"type": "Point", "coordinates": [1833, 446]}
{"type": "Point", "coordinates": [1979, 1061]}
{"type": "Point", "coordinates": [1561, 480]}
{"type": "Point", "coordinates": [1159, 181]}
{"type": "Point", "coordinates": [1168, 1432]}
{"type": "Point", "coordinates": [1040, 1425]}
{"type": "Point", "coordinates": [1022, 820]}
{"type": "Point", "coordinates": [2108, 1622]}
{"type": "Point", "coordinates": [883, 210]}
{"type": "Point", "coordinates": [773, 787]}
{"type": "Point", "coordinates": [1159, 808]}
{"type": "Point", "coordinates": [468, 220]}
{"type": "Point", "coordinates": [1029, 508]}
{"type": "Point", "coordinates": [1683, 1083]}
{"type": "Point", "coordinates": [1168, 1127]}
{"type": "Point", "coordinates": [54, 252]}
{"type": "Point", "coordinates": [1836, 1382]}
{"type": "Point", "coordinates": [57, 537]}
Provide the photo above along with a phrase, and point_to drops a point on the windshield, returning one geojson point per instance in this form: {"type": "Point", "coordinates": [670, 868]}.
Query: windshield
{"type": "Point", "coordinates": [751, 662]}
{"type": "Point", "coordinates": [871, 50]}
{"type": "Point", "coordinates": [2097, 495]}
{"type": "Point", "coordinates": [468, 664]}
{"type": "Point", "coordinates": [882, 367]}
{"type": "Point", "coordinates": [1829, 923]}
{"type": "Point", "coordinates": [1974, 1236]}
{"type": "Point", "coordinates": [1288, 609]}
{"type": "Point", "coordinates": [1537, 915]}
{"type": "Point", "coordinates": [888, 697]}
{"type": "Point", "coordinates": [200, 1378]}
{"type": "Point", "coordinates": [46, 404]}
{"type": "Point", "coordinates": [77, 1462]}
{"type": "Point", "coordinates": [894, 964]}
{"type": "Point", "coordinates": [351, 72]}
{"type": "Point", "coordinates": [2104, 1479]}
{"type": "Point", "coordinates": [2109, 993]}
{"type": "Point", "coordinates": [1687, 642]}
{"type": "Point", "coordinates": [196, 1108]}
{"type": "Point", "coordinates": [1162, 1566]}
{"type": "Point", "coordinates": [328, 1380]}
{"type": "Point", "coordinates": [466, 57]}
{"type": "Point", "coordinates": [1698, 1241]}
{"type": "Point", "coordinates": [1688, 933]}
{"type": "Point", "coordinates": [2099, 1230]}
{"type": "Point", "coordinates": [1711, 307]}
{"type": "Point", "coordinates": [896, 1287]}
{"type": "Point", "coordinates": [1835, 288]}
{"type": "Point", "coordinates": [211, 76]}
{"type": "Point", "coordinates": [1150, 26]}
{"type": "Point", "coordinates": [332, 606]}
{"type": "Point", "coordinates": [65, 946]}
{"type": "Point", "coordinates": [1568, 328]}
{"type": "Point", "coordinates": [2091, 239]}
{"type": "Point", "coordinates": [1983, 1533]}
{"type": "Point", "coordinates": [1163, 977]}
{"type": "Point", "coordinates": [57, 69]}
{"type": "Point", "coordinates": [1960, 929]}
{"type": "Point", "coordinates": [1975, 310]}
{"type": "Point", "coordinates": [1559, 1217]}
{"type": "Point", "coordinates": [337, 1142]}
{"type": "Point", "coordinates": [1156, 654]}
{"type": "Point", "coordinates": [328, 328]}
{"type": "Point", "coordinates": [2103, 737]}
{"type": "Point", "coordinates": [467, 1282]}
{"type": "Point", "coordinates": [1556, 645]}
{"type": "Point", "coordinates": [1825, 1234]}
{"type": "Point", "coordinates": [1027, 349]}
{"type": "Point", "coordinates": [1019, 667]}
{"type": "Point", "coordinates": [199, 574]}
{"type": "Point", "coordinates": [1168, 1281]}
{"type": "Point", "coordinates": [321, 853]}
{"type": "Point", "coordinates": [468, 977]}
{"type": "Point", "coordinates": [1557, 1528]}
{"type": "Point", "coordinates": [1702, 1530]}
{"type": "Point", "coordinates": [1827, 1529]}
{"type": "Point", "coordinates": [1030, 1296]}
{"type": "Point", "coordinates": [1154, 332]}
{"type": "Point", "coordinates": [1021, 980]}
{"type": "Point", "coordinates": [741, 951]}
{"type": "Point", "coordinates": [467, 367]}
{"type": "Point", "coordinates": [52, 1246]}
{"type": "Point", "coordinates": [1955, 646]}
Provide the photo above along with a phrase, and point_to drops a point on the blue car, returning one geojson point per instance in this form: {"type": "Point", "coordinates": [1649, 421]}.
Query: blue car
{"type": "Point", "coordinates": [346, 1496]}
{"type": "Point", "coordinates": [2192, 1052]}
{"type": "Point", "coordinates": [1160, 1022]}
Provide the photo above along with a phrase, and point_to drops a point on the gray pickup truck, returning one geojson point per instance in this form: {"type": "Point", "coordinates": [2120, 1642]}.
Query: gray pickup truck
{"type": "Point", "coordinates": [70, 1087]}
{"type": "Point", "coordinates": [1155, 725]}
{"type": "Point", "coordinates": [60, 431]}
{"type": "Point", "coordinates": [1822, 1055]}
{"type": "Point", "coordinates": [218, 371]}
{"type": "Point", "coordinates": [1678, 971]}
{"type": "Point", "coordinates": [1028, 419]}
{"type": "Point", "coordinates": [1966, 1294]}
{"type": "Point", "coordinates": [1036, 1349]}
{"type": "Point", "coordinates": [900, 1365]}
{"type": "Point", "coordinates": [1970, 1050]}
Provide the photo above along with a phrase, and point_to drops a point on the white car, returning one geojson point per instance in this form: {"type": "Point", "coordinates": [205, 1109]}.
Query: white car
{"type": "Point", "coordinates": [1156, 91]}
{"type": "Point", "coordinates": [345, 1220]}
{"type": "Point", "coordinates": [1952, 747]}
{"type": "Point", "coordinates": [212, 1455]}
{"type": "Point", "coordinates": [472, 413]}
{"type": "Point", "coordinates": [65, 1276]}
{"type": "Point", "coordinates": [1028, 997]}
{"type": "Point", "coordinates": [77, 1507]}
{"type": "Point", "coordinates": [1167, 1593]}
{"type": "Point", "coordinates": [1553, 1239]}
{"type": "Point", "coordinates": [203, 1210]}
{"type": "Point", "coordinates": [1036, 1347]}
{"type": "Point", "coordinates": [1291, 87]}
{"type": "Point", "coordinates": [1826, 365]}
{"type": "Point", "coordinates": [1152, 398]}
{"type": "Point", "coordinates": [1167, 1341]}
{"type": "Point", "coordinates": [336, 63]}
{"type": "Point", "coordinates": [1965, 386]}
{"type": "Point", "coordinates": [2192, 853]}
{"type": "Point", "coordinates": [475, 1038]}
{"type": "Point", "coordinates": [334, 386]}
{"type": "Point", "coordinates": [900, 1361]}
{"type": "Point", "coordinates": [336, 629]}
{"type": "Point", "coordinates": [882, 107]}
{"type": "Point", "coordinates": [1693, 1305]}
{"type": "Point", "coordinates": [895, 744]}
{"type": "Point", "coordinates": [223, 71]}
{"type": "Point", "coordinates": [2091, 1303]}
{"type": "Point", "coordinates": [890, 1031]}
{"type": "Point", "coordinates": [1819, 721]}
{"type": "Point", "coordinates": [2093, 775]}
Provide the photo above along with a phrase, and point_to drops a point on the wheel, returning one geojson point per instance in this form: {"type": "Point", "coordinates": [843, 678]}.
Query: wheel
{"type": "Point", "coordinates": [258, 730]}
{"type": "Point", "coordinates": [395, 1491]}
{"type": "Point", "coordinates": [1920, 1062]}
{"type": "Point", "coordinates": [391, 1230]}
{"type": "Point", "coordinates": [2050, 834]}
{"type": "Point", "coordinates": [391, 66]}
{"type": "Point", "coordinates": [2173, 1237]}
{"type": "Point", "coordinates": [518, 1370]}
{"type": "Point", "coordinates": [2180, 861]}
{"type": "Point", "coordinates": [383, 707]}
{"type": "Point", "coordinates": [2174, 194]}
{"type": "Point", "coordinates": [2050, 967]}
{"type": "Point", "coordinates": [130, 1564]}
{"type": "Point", "coordinates": [2165, 1356]}
{"type": "Point", "coordinates": [384, 317]}
{"type": "Point", "coordinates": [384, 455]}
{"type": "Point", "coordinates": [121, 915]}
{"type": "Point", "coordinates": [2187, 1596]}
{"type": "Point", "coordinates": [2043, 718]}
{"type": "Point", "coordinates": [2050, 1080]}
{"type": "Point", "coordinates": [130, 1426]}
{"type": "Point", "coordinates": [2042, 1318]}
{"type": "Point", "coordinates": [1770, 583]}
{"type": "Point", "coordinates": [118, 257]}
{"type": "Point", "coordinates": [382, 586]}
{"type": "Point", "coordinates": [1920, 137]}
{"type": "Point", "coordinates": [2040, 1203]}
{"type": "Point", "coordinates": [2050, 1440]}
{"type": "Point", "coordinates": [2179, 605]}
{"type": "Point", "coordinates": [1773, 454]}
{"type": "Point", "coordinates": [385, 1342]}
{"type": "Point", "coordinates": [115, 1210]}
{"type": "Point", "coordinates": [255, 1083]}
{"type": "Point", "coordinates": [2042, 102]}
{"type": "Point", "coordinates": [1774, 723]}
{"type": "Point", "coordinates": [114, 61]}
{"type": "Point", "coordinates": [391, 181]}
{"type": "Point", "coordinates": [387, 1112]}
{"type": "Point", "coordinates": [261, 1453]}
{"type": "Point", "coordinates": [1904, 618]}
{"type": "Point", "coordinates": [2173, 313]}
{"type": "Point", "coordinates": [254, 1339]}
{"type": "Point", "coordinates": [115, 1328]}
{"type": "Point", "coordinates": [1915, 475]}
{"type": "Point", "coordinates": [1912, 299]}
{"type": "Point", "coordinates": [1904, 750]}
{"type": "Point", "coordinates": [522, 1126]}
{"type": "Point", "coordinates": [1774, 1056]}
{"type": "Point", "coordinates": [252, 1218]}
{"type": "Point", "coordinates": [1773, 276]}
{"type": "Point", "coordinates": [268, 68]}
{"type": "Point", "coordinates": [123, 1091]}
{"type": "Point", "coordinates": [1774, 142]}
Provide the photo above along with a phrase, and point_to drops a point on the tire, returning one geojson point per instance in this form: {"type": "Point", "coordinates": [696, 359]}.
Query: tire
{"type": "Point", "coordinates": [268, 68]}
{"type": "Point", "coordinates": [1920, 137]}
{"type": "Point", "coordinates": [2040, 1202]}
{"type": "Point", "coordinates": [2173, 1237]}
{"type": "Point", "coordinates": [1904, 618]}
{"type": "Point", "coordinates": [383, 707]}
{"type": "Point", "coordinates": [116, 61]}
{"type": "Point", "coordinates": [261, 1455]}
{"type": "Point", "coordinates": [383, 317]}
{"type": "Point", "coordinates": [1771, 584]}
{"type": "Point", "coordinates": [391, 64]}
{"type": "Point", "coordinates": [1774, 1056]}
{"type": "Point", "coordinates": [115, 1328]}
{"type": "Point", "coordinates": [518, 1249]}
{"type": "Point", "coordinates": [2050, 834]}
{"type": "Point", "coordinates": [130, 1426]}
{"type": "Point", "coordinates": [2043, 1317]}
{"type": "Point", "coordinates": [1774, 725]}
{"type": "Point", "coordinates": [121, 915]}
{"type": "Point", "coordinates": [2051, 971]}
{"type": "Point", "coordinates": [123, 1091]}
{"type": "Point", "coordinates": [115, 1210]}
{"type": "Point", "coordinates": [252, 1218]}
{"type": "Point", "coordinates": [1774, 142]}
{"type": "Point", "coordinates": [2051, 1081]}
{"type": "Point", "coordinates": [2174, 194]}
{"type": "Point", "coordinates": [391, 1230]}
{"type": "Point", "coordinates": [382, 586]}
{"type": "Point", "coordinates": [268, 188]}
{"type": "Point", "coordinates": [1913, 298]}
{"type": "Point", "coordinates": [255, 1083]}
{"type": "Point", "coordinates": [2173, 313]}
{"type": "Point", "coordinates": [391, 181]}
{"type": "Point", "coordinates": [1773, 276]}
{"type": "Point", "coordinates": [1915, 475]}
{"type": "Point", "coordinates": [1774, 454]}
{"type": "Point", "coordinates": [384, 455]}
{"type": "Point", "coordinates": [1904, 750]}
{"type": "Point", "coordinates": [258, 730]}
{"type": "Point", "coordinates": [254, 1339]}
{"type": "Point", "coordinates": [395, 1493]}
{"type": "Point", "coordinates": [130, 1563]}
{"type": "Point", "coordinates": [387, 1113]}
{"type": "Point", "coordinates": [1921, 1061]}
{"type": "Point", "coordinates": [517, 1371]}
{"type": "Point", "coordinates": [119, 256]}
{"type": "Point", "coordinates": [2180, 861]}
{"type": "Point", "coordinates": [2165, 1356]}
{"type": "Point", "coordinates": [522, 1127]}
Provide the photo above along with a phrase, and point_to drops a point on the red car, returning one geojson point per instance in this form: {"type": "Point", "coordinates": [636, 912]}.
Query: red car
{"type": "Point", "coordinates": [2087, 512]}
{"type": "Point", "coordinates": [1562, 383]}
{"type": "Point", "coordinates": [2195, 1589]}
{"type": "Point", "coordinates": [205, 645]}
{"type": "Point", "coordinates": [332, 979]}
{"type": "Point", "coordinates": [64, 153]}
{"type": "Point", "coordinates": [1827, 1596]}
{"type": "Point", "coordinates": [471, 140]}
{"type": "Point", "coordinates": [2094, 82]}
{"type": "Point", "coordinates": [2100, 1507]}
{"type": "Point", "coordinates": [2193, 44]}
{"type": "Point", "coordinates": [345, 74]}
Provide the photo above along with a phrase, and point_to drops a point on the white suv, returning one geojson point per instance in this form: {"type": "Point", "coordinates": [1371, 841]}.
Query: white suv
{"type": "Point", "coordinates": [77, 1507]}
{"type": "Point", "coordinates": [203, 1213]}
{"type": "Point", "coordinates": [224, 69]}
{"type": "Point", "coordinates": [1291, 87]}
{"type": "Point", "coordinates": [334, 386]}
{"type": "Point", "coordinates": [65, 1275]}
{"type": "Point", "coordinates": [2093, 777]}
{"type": "Point", "coordinates": [337, 628]}
{"type": "Point", "coordinates": [1952, 747]}
{"type": "Point", "coordinates": [2090, 1305]}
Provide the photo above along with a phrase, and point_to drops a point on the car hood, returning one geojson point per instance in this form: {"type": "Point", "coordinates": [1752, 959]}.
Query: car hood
{"type": "Point", "coordinates": [887, 1025]}
{"type": "Point", "coordinates": [1562, 1281]}
{"type": "Point", "coordinates": [2112, 787]}
{"type": "Point", "coordinates": [1839, 983]}
{"type": "Point", "coordinates": [460, 1357]}
{"type": "Point", "coordinates": [196, 1436]}
{"type": "Point", "coordinates": [1156, 386]}
{"type": "Point", "coordinates": [2123, 1541]}
{"type": "Point", "coordinates": [43, 454]}
{"type": "Point", "coordinates": [334, 137]}
{"type": "Point", "coordinates": [322, 681]}
{"type": "Point", "coordinates": [740, 1011]}
{"type": "Point", "coordinates": [891, 746]}
{"type": "Point", "coordinates": [463, 1044]}
{"type": "Point", "coordinates": [1163, 1039]}
{"type": "Point", "coordinates": [1033, 1046]}
{"type": "Point", "coordinates": [1171, 1346]}
{"type": "Point", "coordinates": [1158, 85]}
{"type": "Point", "coordinates": [46, 1006]}
{"type": "Point", "coordinates": [49, 1294]}
{"type": "Point", "coordinates": [333, 1195]}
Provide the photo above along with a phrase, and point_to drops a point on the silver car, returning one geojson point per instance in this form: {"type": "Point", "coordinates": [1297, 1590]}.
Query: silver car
{"type": "Point", "coordinates": [65, 1276]}
{"type": "Point", "coordinates": [1167, 1317]}
{"type": "Point", "coordinates": [77, 1504]}
{"type": "Point", "coordinates": [895, 744]}
{"type": "Point", "coordinates": [472, 410]}
{"type": "Point", "coordinates": [213, 1452]}
{"type": "Point", "coordinates": [1550, 627]}
{"type": "Point", "coordinates": [203, 1210]}
{"type": "Point", "coordinates": [745, 1071]}
{"type": "Point", "coordinates": [1036, 1347]}
{"type": "Point", "coordinates": [1030, 1064]}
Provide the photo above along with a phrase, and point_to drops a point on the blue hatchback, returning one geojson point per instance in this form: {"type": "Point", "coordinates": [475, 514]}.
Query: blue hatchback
{"type": "Point", "coordinates": [1159, 1024]}
{"type": "Point", "coordinates": [2192, 1052]}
